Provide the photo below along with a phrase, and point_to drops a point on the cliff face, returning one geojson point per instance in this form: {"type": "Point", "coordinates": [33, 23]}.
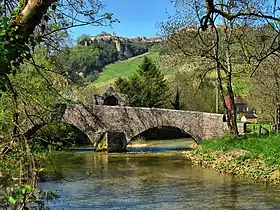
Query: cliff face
{"type": "Point", "coordinates": [111, 51]}
{"type": "Point", "coordinates": [88, 58]}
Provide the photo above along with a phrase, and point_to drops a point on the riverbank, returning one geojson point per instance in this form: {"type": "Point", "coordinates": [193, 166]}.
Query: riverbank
{"type": "Point", "coordinates": [252, 157]}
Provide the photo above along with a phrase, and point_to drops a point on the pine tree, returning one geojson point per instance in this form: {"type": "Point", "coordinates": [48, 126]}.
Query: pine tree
{"type": "Point", "coordinates": [145, 89]}
{"type": "Point", "coordinates": [176, 104]}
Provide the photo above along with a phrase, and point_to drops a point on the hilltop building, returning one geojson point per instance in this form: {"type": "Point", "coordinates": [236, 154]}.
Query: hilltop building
{"type": "Point", "coordinates": [102, 36]}
{"type": "Point", "coordinates": [107, 36]}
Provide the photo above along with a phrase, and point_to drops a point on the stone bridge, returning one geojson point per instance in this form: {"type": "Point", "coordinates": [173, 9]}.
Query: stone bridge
{"type": "Point", "coordinates": [121, 123]}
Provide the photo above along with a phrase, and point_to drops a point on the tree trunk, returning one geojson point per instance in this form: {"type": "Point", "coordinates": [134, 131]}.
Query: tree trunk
{"type": "Point", "coordinates": [232, 111]}
{"type": "Point", "coordinates": [22, 26]}
{"type": "Point", "coordinates": [223, 98]}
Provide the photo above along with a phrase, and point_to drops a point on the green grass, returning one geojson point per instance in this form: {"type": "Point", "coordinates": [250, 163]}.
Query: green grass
{"type": "Point", "coordinates": [266, 148]}
{"type": "Point", "coordinates": [124, 68]}
{"type": "Point", "coordinates": [255, 127]}
{"type": "Point", "coordinates": [128, 67]}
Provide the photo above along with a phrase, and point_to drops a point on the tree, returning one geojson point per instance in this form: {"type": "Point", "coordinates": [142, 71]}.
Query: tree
{"type": "Point", "coordinates": [81, 59]}
{"type": "Point", "coordinates": [27, 24]}
{"type": "Point", "coordinates": [265, 89]}
{"type": "Point", "coordinates": [147, 88]}
{"type": "Point", "coordinates": [195, 94]}
{"type": "Point", "coordinates": [29, 85]}
{"type": "Point", "coordinates": [84, 40]}
{"type": "Point", "coordinates": [176, 103]}
{"type": "Point", "coordinates": [264, 16]}
{"type": "Point", "coordinates": [212, 30]}
{"type": "Point", "coordinates": [20, 19]}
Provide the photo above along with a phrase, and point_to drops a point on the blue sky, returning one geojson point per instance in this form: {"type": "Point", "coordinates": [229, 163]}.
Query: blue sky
{"type": "Point", "coordinates": [138, 18]}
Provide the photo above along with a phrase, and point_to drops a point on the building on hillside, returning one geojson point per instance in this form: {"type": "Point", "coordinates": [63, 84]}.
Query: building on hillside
{"type": "Point", "coordinates": [249, 118]}
{"type": "Point", "coordinates": [189, 28]}
{"type": "Point", "coordinates": [242, 109]}
{"type": "Point", "coordinates": [241, 105]}
{"type": "Point", "coordinates": [107, 36]}
{"type": "Point", "coordinates": [102, 36]}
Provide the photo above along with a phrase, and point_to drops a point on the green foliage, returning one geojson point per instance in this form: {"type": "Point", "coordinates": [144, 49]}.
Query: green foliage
{"type": "Point", "coordinates": [89, 57]}
{"type": "Point", "coordinates": [31, 83]}
{"type": "Point", "coordinates": [123, 69]}
{"type": "Point", "coordinates": [78, 59]}
{"type": "Point", "coordinates": [196, 94]}
{"type": "Point", "coordinates": [80, 94]}
{"type": "Point", "coordinates": [37, 91]}
{"type": "Point", "coordinates": [58, 136]}
{"type": "Point", "coordinates": [16, 186]}
{"type": "Point", "coordinates": [176, 103]}
{"type": "Point", "coordinates": [257, 127]}
{"type": "Point", "coordinates": [131, 49]}
{"type": "Point", "coordinates": [83, 40]}
{"type": "Point", "coordinates": [265, 148]}
{"type": "Point", "coordinates": [147, 88]}
{"type": "Point", "coordinates": [20, 193]}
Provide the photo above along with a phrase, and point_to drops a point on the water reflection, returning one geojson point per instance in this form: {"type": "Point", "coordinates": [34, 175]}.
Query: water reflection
{"type": "Point", "coordinates": [150, 181]}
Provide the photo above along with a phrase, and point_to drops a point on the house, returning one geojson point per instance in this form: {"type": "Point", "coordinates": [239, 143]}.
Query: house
{"type": "Point", "coordinates": [249, 118]}
{"type": "Point", "coordinates": [107, 36]}
{"type": "Point", "coordinates": [241, 105]}
{"type": "Point", "coordinates": [102, 36]}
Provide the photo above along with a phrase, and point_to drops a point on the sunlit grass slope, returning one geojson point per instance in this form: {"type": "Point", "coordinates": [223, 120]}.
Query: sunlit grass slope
{"type": "Point", "coordinates": [124, 68]}
{"type": "Point", "coordinates": [128, 67]}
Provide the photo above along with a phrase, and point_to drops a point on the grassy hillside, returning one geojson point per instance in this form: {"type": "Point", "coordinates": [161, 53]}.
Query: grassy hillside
{"type": "Point", "coordinates": [128, 67]}
{"type": "Point", "coordinates": [124, 68]}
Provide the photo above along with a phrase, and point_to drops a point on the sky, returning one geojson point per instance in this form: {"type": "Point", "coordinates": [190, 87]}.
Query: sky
{"type": "Point", "coordinates": [137, 18]}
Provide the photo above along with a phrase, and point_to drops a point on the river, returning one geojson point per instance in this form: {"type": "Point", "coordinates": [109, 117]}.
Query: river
{"type": "Point", "coordinates": [155, 177]}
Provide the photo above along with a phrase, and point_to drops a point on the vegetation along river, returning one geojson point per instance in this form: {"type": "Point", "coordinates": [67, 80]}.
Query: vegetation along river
{"type": "Point", "coordinates": [154, 177]}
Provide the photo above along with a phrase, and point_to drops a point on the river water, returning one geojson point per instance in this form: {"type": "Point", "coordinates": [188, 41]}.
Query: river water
{"type": "Point", "coordinates": [155, 177]}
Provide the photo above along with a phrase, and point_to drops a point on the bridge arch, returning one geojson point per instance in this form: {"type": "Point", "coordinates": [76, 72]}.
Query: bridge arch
{"type": "Point", "coordinates": [162, 132]}
{"type": "Point", "coordinates": [111, 101]}
{"type": "Point", "coordinates": [59, 131]}
{"type": "Point", "coordinates": [184, 131]}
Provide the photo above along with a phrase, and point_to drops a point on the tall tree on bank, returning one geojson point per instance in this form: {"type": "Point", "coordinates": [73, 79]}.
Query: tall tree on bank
{"type": "Point", "coordinates": [176, 103]}
{"type": "Point", "coordinates": [258, 50]}
{"type": "Point", "coordinates": [224, 47]}
{"type": "Point", "coordinates": [147, 88]}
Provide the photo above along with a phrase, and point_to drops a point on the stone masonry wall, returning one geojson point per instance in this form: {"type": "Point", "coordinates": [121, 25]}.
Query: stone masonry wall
{"type": "Point", "coordinates": [134, 120]}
